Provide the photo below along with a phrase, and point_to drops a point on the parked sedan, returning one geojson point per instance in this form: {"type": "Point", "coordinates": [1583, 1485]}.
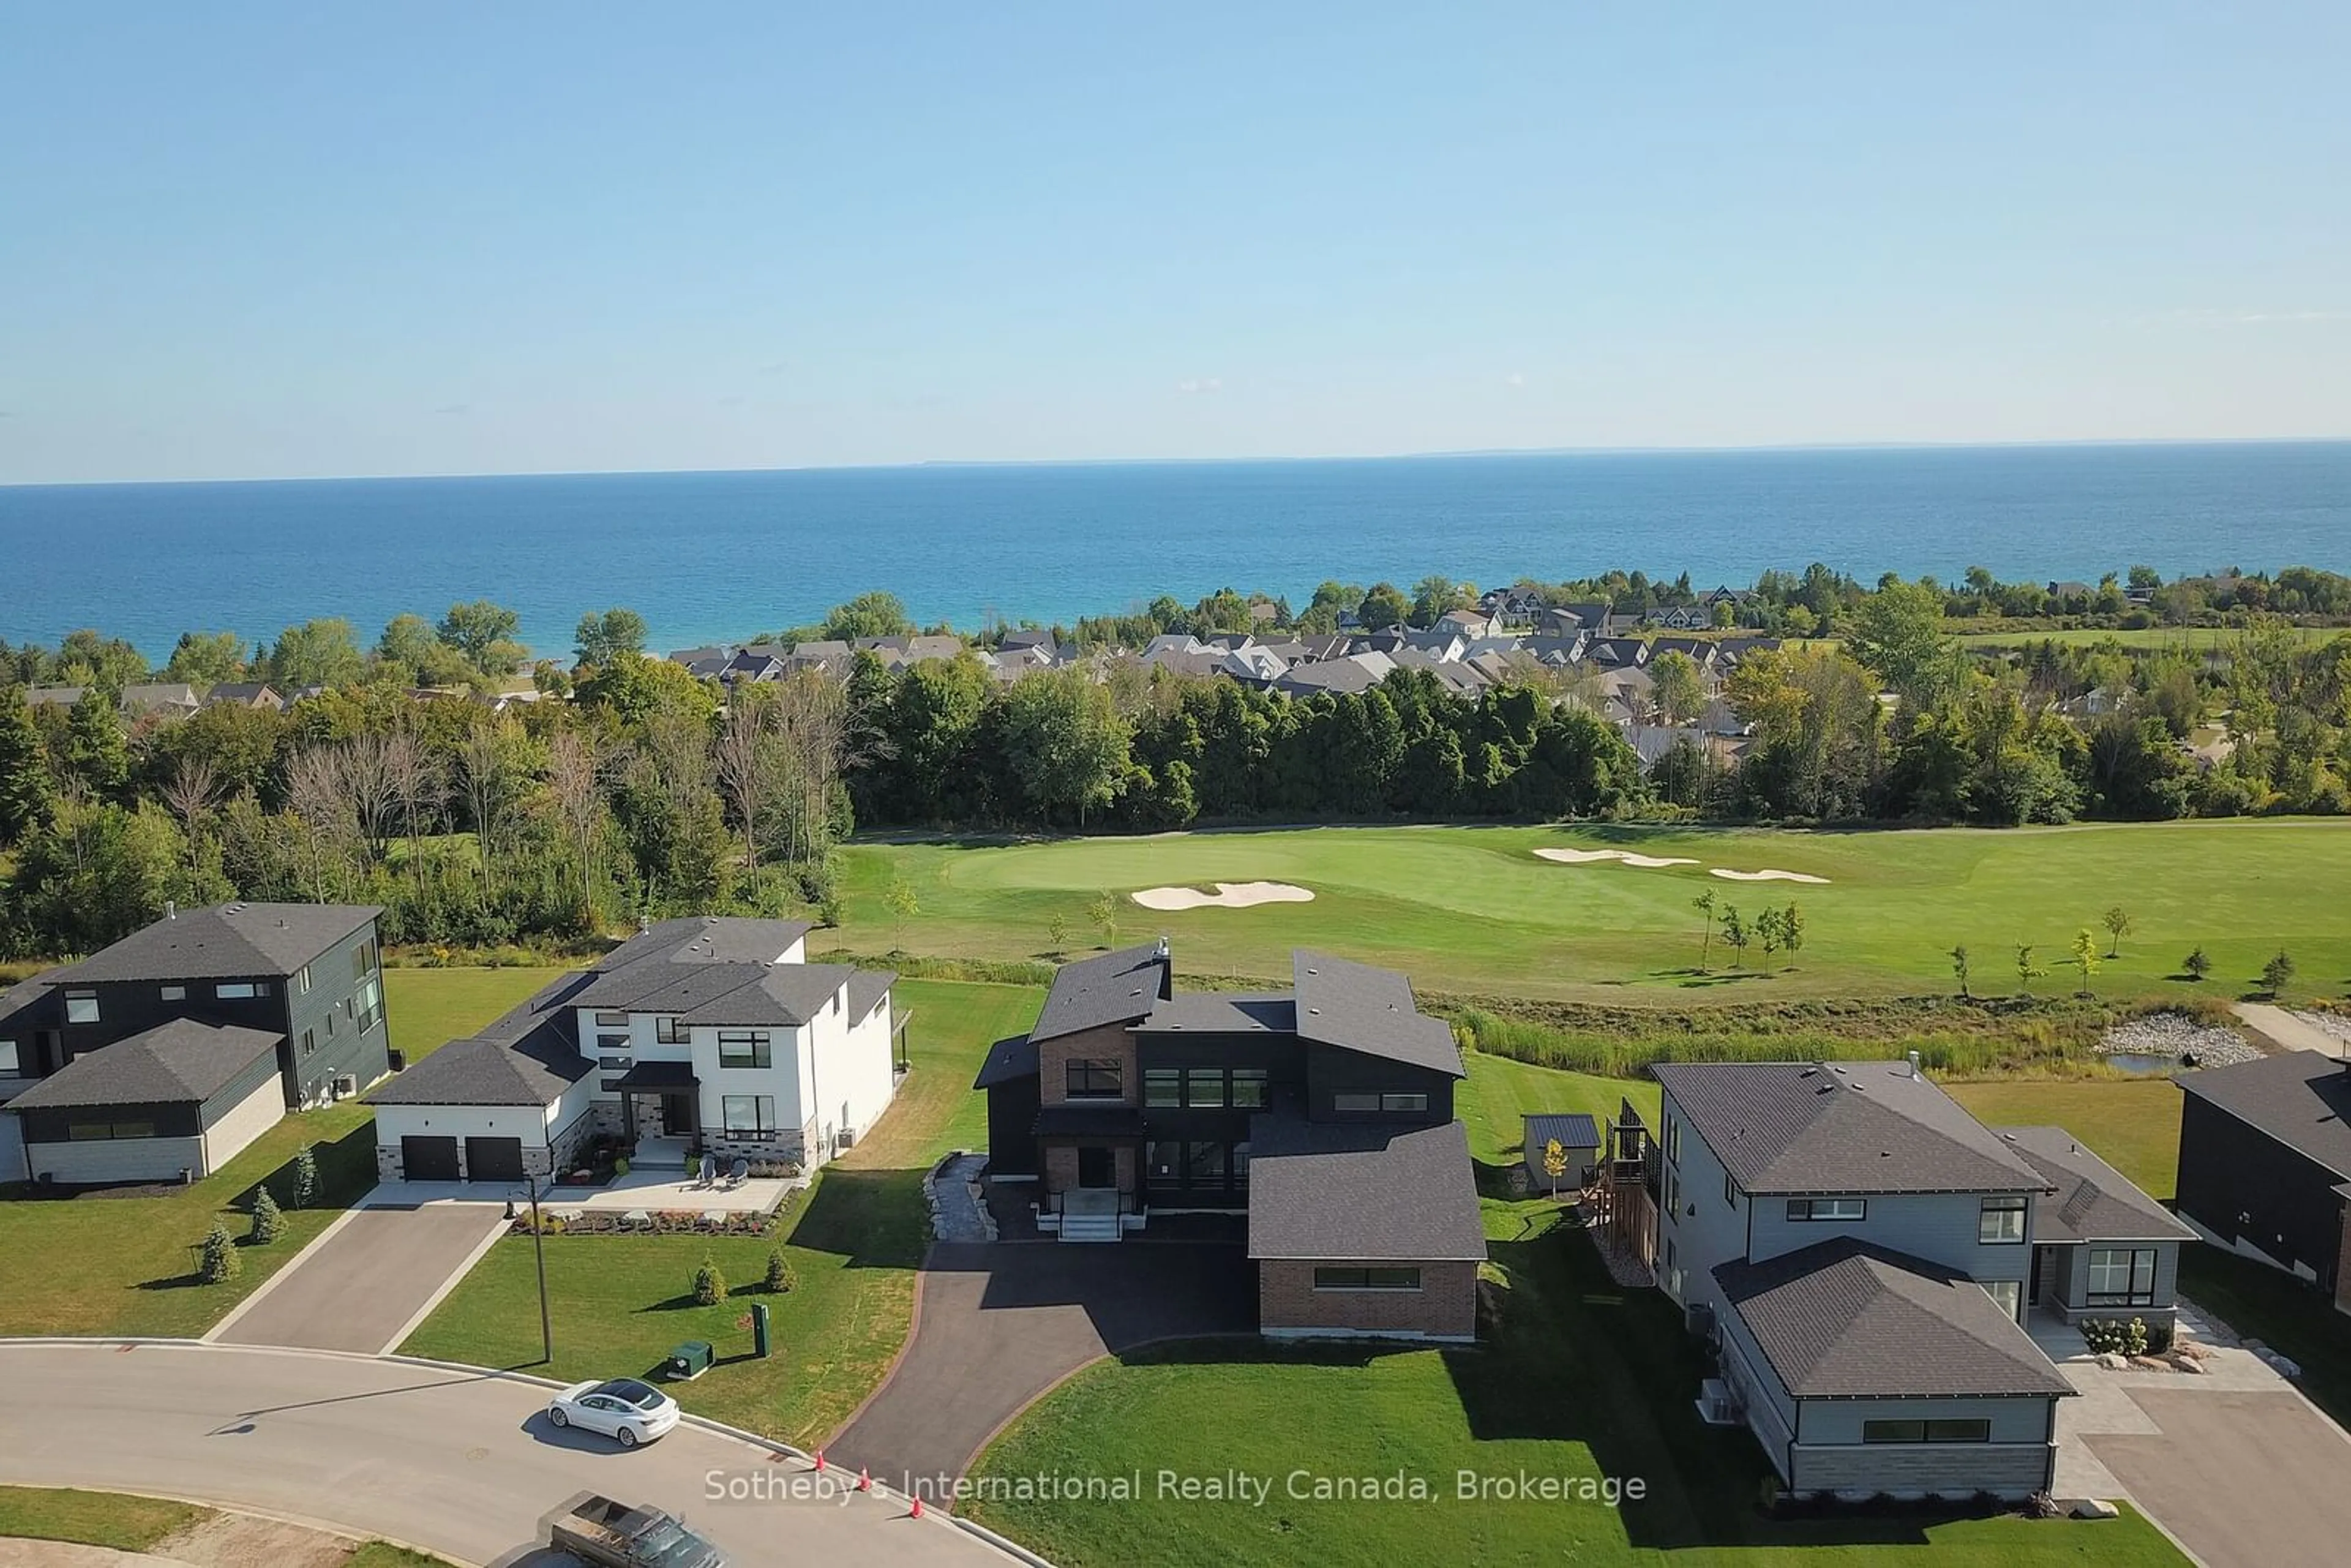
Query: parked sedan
{"type": "Point", "coordinates": [622, 1407]}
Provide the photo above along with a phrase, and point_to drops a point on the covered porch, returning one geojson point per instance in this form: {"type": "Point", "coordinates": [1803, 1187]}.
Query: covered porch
{"type": "Point", "coordinates": [660, 1105]}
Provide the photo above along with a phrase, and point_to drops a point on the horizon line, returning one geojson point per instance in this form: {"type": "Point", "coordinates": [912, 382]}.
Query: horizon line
{"type": "Point", "coordinates": [1422, 455]}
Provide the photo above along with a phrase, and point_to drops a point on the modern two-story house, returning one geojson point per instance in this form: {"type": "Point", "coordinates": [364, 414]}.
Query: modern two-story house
{"type": "Point", "coordinates": [710, 1035]}
{"type": "Point", "coordinates": [172, 1050]}
{"type": "Point", "coordinates": [1860, 1252]}
{"type": "Point", "coordinates": [1323, 1113]}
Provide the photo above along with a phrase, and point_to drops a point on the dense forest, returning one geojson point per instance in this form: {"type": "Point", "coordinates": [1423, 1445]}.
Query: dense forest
{"type": "Point", "coordinates": [407, 774]}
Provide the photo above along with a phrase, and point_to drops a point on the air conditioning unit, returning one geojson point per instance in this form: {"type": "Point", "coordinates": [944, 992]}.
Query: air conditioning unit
{"type": "Point", "coordinates": [848, 1139]}
{"type": "Point", "coordinates": [1718, 1404]}
{"type": "Point", "coordinates": [346, 1085]}
{"type": "Point", "coordinates": [1698, 1318]}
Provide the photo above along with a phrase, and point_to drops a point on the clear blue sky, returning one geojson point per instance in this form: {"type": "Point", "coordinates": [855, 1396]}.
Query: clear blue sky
{"type": "Point", "coordinates": [258, 240]}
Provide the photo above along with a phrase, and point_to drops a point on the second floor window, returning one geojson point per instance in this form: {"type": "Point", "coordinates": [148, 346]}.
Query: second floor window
{"type": "Point", "coordinates": [1820, 1209]}
{"type": "Point", "coordinates": [302, 981]}
{"type": "Point", "coordinates": [175, 993]}
{"type": "Point", "coordinates": [1163, 1086]}
{"type": "Point", "coordinates": [309, 1040]}
{"type": "Point", "coordinates": [611, 1021]}
{"type": "Point", "coordinates": [81, 1007]}
{"type": "Point", "coordinates": [1094, 1078]}
{"type": "Point", "coordinates": [1249, 1088]}
{"type": "Point", "coordinates": [669, 1032]}
{"type": "Point", "coordinates": [1204, 1087]}
{"type": "Point", "coordinates": [11, 1064]}
{"type": "Point", "coordinates": [2002, 1222]}
{"type": "Point", "coordinates": [241, 990]}
{"type": "Point", "coordinates": [742, 1049]}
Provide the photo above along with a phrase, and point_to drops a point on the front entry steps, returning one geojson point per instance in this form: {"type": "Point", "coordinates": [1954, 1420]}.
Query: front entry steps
{"type": "Point", "coordinates": [1090, 1214]}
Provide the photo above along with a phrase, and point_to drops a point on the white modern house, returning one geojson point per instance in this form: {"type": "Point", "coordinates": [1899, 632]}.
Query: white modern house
{"type": "Point", "coordinates": [710, 1035]}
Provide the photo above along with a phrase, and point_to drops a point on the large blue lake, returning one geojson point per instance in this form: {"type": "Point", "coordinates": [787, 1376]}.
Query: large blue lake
{"type": "Point", "coordinates": [706, 557]}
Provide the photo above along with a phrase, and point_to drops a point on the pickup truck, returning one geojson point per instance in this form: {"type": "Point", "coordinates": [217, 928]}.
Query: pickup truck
{"type": "Point", "coordinates": [608, 1534]}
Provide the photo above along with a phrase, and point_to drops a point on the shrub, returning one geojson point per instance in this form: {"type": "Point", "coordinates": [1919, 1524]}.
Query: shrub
{"type": "Point", "coordinates": [780, 1277]}
{"type": "Point", "coordinates": [306, 1177]}
{"type": "Point", "coordinates": [709, 1284]}
{"type": "Point", "coordinates": [268, 1220]}
{"type": "Point", "coordinates": [218, 1260]}
{"type": "Point", "coordinates": [620, 1165]}
{"type": "Point", "coordinates": [2111, 1336]}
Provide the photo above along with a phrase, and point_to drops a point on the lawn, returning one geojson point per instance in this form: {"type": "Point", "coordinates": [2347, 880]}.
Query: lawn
{"type": "Point", "coordinates": [2132, 1124]}
{"type": "Point", "coordinates": [1580, 1382]}
{"type": "Point", "coordinates": [1472, 910]}
{"type": "Point", "coordinates": [854, 1242]}
{"type": "Point", "coordinates": [123, 1265]}
{"type": "Point", "coordinates": [129, 1523]}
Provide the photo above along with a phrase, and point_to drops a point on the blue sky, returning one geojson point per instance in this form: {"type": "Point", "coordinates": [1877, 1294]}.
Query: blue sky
{"type": "Point", "coordinates": [262, 240]}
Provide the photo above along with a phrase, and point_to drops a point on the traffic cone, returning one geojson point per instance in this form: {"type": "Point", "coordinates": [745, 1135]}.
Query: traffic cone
{"type": "Point", "coordinates": [864, 1481]}
{"type": "Point", "coordinates": [820, 1461]}
{"type": "Point", "coordinates": [917, 1500]}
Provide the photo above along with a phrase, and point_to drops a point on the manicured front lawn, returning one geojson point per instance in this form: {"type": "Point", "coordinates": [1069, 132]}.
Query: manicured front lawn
{"type": "Point", "coordinates": [620, 1303]}
{"type": "Point", "coordinates": [1579, 1384]}
{"type": "Point", "coordinates": [124, 1265]}
{"type": "Point", "coordinates": [1472, 910]}
{"type": "Point", "coordinates": [92, 1518]}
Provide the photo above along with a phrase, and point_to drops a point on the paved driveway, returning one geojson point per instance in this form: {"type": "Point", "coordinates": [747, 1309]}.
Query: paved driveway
{"type": "Point", "coordinates": [2250, 1478]}
{"type": "Point", "coordinates": [998, 1324]}
{"type": "Point", "coordinates": [362, 1284]}
{"type": "Point", "coordinates": [460, 1463]}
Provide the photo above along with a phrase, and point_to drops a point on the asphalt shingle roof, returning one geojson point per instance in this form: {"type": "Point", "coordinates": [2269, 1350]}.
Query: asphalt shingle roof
{"type": "Point", "coordinates": [1573, 1129]}
{"type": "Point", "coordinates": [2094, 1202]}
{"type": "Point", "coordinates": [1358, 1193]}
{"type": "Point", "coordinates": [2300, 1098]}
{"type": "Point", "coordinates": [173, 1064]}
{"type": "Point", "coordinates": [715, 971]}
{"type": "Point", "coordinates": [1369, 1010]}
{"type": "Point", "coordinates": [1110, 987]}
{"type": "Point", "coordinates": [228, 941]}
{"type": "Point", "coordinates": [1784, 1127]}
{"type": "Point", "coordinates": [1223, 1012]}
{"type": "Point", "coordinates": [866, 990]}
{"type": "Point", "coordinates": [528, 1057]}
{"type": "Point", "coordinates": [1848, 1320]}
{"type": "Point", "coordinates": [1007, 1059]}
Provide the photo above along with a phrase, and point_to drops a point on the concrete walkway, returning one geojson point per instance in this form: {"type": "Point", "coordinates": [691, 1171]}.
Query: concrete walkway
{"type": "Point", "coordinates": [2282, 1029]}
{"type": "Point", "coordinates": [368, 1280]}
{"type": "Point", "coordinates": [996, 1326]}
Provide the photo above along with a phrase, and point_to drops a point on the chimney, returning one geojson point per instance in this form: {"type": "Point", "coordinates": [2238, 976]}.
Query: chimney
{"type": "Point", "coordinates": [1913, 1064]}
{"type": "Point", "coordinates": [171, 909]}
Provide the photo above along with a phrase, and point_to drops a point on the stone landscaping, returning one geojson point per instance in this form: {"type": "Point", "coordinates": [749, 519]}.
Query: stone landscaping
{"type": "Point", "coordinates": [2336, 1025]}
{"type": "Point", "coordinates": [2178, 1037]}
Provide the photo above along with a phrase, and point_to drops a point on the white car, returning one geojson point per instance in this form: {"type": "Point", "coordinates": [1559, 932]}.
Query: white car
{"type": "Point", "coordinates": [622, 1407]}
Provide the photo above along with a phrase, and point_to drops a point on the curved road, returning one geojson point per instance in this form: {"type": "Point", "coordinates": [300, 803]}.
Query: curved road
{"type": "Point", "coordinates": [461, 1463]}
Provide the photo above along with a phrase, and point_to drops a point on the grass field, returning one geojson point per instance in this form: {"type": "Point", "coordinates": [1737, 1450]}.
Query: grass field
{"type": "Point", "coordinates": [1471, 909]}
{"type": "Point", "coordinates": [621, 1302]}
{"type": "Point", "coordinates": [1580, 1381]}
{"type": "Point", "coordinates": [126, 1523]}
{"type": "Point", "coordinates": [123, 1265]}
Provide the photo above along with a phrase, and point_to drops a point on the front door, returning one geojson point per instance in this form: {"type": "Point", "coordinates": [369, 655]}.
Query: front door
{"type": "Point", "coordinates": [1097, 1167]}
{"type": "Point", "coordinates": [677, 1115]}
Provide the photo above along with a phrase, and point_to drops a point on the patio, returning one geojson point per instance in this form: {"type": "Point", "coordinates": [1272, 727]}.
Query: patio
{"type": "Point", "coordinates": [657, 1183]}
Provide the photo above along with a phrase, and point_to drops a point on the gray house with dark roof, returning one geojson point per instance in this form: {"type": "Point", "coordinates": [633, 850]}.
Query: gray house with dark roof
{"type": "Point", "coordinates": [2265, 1163]}
{"type": "Point", "coordinates": [1322, 1114]}
{"type": "Point", "coordinates": [197, 1012]}
{"type": "Point", "coordinates": [704, 1035]}
{"type": "Point", "coordinates": [1860, 1252]}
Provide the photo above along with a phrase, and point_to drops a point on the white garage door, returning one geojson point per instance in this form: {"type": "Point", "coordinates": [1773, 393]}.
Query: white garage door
{"type": "Point", "coordinates": [12, 1149]}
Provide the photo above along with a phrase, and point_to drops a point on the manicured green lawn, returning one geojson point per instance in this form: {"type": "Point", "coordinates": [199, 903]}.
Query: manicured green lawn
{"type": "Point", "coordinates": [92, 1518]}
{"type": "Point", "coordinates": [1580, 1382]}
{"type": "Point", "coordinates": [2132, 1124]}
{"type": "Point", "coordinates": [124, 1265]}
{"type": "Point", "coordinates": [855, 1240]}
{"type": "Point", "coordinates": [1472, 910]}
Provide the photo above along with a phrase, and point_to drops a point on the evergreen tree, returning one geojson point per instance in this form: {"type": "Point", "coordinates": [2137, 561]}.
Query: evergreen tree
{"type": "Point", "coordinates": [23, 776]}
{"type": "Point", "coordinates": [96, 752]}
{"type": "Point", "coordinates": [217, 1261]}
{"type": "Point", "coordinates": [306, 1177]}
{"type": "Point", "coordinates": [779, 1277]}
{"type": "Point", "coordinates": [709, 1284]}
{"type": "Point", "coordinates": [268, 1220]}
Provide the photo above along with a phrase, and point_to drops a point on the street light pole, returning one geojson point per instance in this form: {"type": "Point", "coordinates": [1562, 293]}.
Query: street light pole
{"type": "Point", "coordinates": [539, 1251]}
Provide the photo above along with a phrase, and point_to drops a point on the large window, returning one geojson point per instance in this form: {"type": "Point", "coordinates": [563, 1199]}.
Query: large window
{"type": "Point", "coordinates": [1403, 1102]}
{"type": "Point", "coordinates": [11, 1064]}
{"type": "Point", "coordinates": [1368, 1279]}
{"type": "Point", "coordinates": [670, 1031]}
{"type": "Point", "coordinates": [2122, 1277]}
{"type": "Point", "coordinates": [1094, 1077]}
{"type": "Point", "coordinates": [85, 1131]}
{"type": "Point", "coordinates": [1163, 1086]}
{"type": "Point", "coordinates": [241, 990]}
{"type": "Point", "coordinates": [1354, 1101]}
{"type": "Point", "coordinates": [2001, 1221]}
{"type": "Point", "coordinates": [1169, 1164]}
{"type": "Point", "coordinates": [749, 1116]}
{"type": "Point", "coordinates": [1204, 1087]}
{"type": "Point", "coordinates": [369, 1005]}
{"type": "Point", "coordinates": [1925, 1431]}
{"type": "Point", "coordinates": [363, 959]}
{"type": "Point", "coordinates": [2008, 1293]}
{"type": "Point", "coordinates": [81, 1007]}
{"type": "Point", "coordinates": [1163, 1162]}
{"type": "Point", "coordinates": [1810, 1209]}
{"type": "Point", "coordinates": [1249, 1088]}
{"type": "Point", "coordinates": [1205, 1164]}
{"type": "Point", "coordinates": [743, 1048]}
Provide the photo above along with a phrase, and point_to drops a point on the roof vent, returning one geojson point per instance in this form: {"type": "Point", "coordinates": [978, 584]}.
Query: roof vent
{"type": "Point", "coordinates": [644, 923]}
{"type": "Point", "coordinates": [171, 909]}
{"type": "Point", "coordinates": [1164, 950]}
{"type": "Point", "coordinates": [1913, 1064]}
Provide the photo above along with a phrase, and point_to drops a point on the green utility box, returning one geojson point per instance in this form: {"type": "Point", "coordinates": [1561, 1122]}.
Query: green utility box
{"type": "Point", "coordinates": [759, 1343]}
{"type": "Point", "coordinates": [689, 1360]}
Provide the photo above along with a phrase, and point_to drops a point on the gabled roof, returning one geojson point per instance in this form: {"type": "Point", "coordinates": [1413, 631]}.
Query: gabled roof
{"type": "Point", "coordinates": [2094, 1202]}
{"type": "Point", "coordinates": [225, 942]}
{"type": "Point", "coordinates": [173, 1064]}
{"type": "Point", "coordinates": [867, 990]}
{"type": "Point", "coordinates": [1362, 1194]}
{"type": "Point", "coordinates": [1845, 1320]}
{"type": "Point", "coordinates": [1110, 987]}
{"type": "Point", "coordinates": [1371, 1011]}
{"type": "Point", "coordinates": [714, 971]}
{"type": "Point", "coordinates": [1785, 1127]}
{"type": "Point", "coordinates": [529, 1056]}
{"type": "Point", "coordinates": [1573, 1129]}
{"type": "Point", "coordinates": [2300, 1098]}
{"type": "Point", "coordinates": [1008, 1059]}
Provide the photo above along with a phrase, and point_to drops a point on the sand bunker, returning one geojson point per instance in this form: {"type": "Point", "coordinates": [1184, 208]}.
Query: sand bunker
{"type": "Point", "coordinates": [1585, 857]}
{"type": "Point", "coordinates": [1229, 896]}
{"type": "Point", "coordinates": [1768, 876]}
